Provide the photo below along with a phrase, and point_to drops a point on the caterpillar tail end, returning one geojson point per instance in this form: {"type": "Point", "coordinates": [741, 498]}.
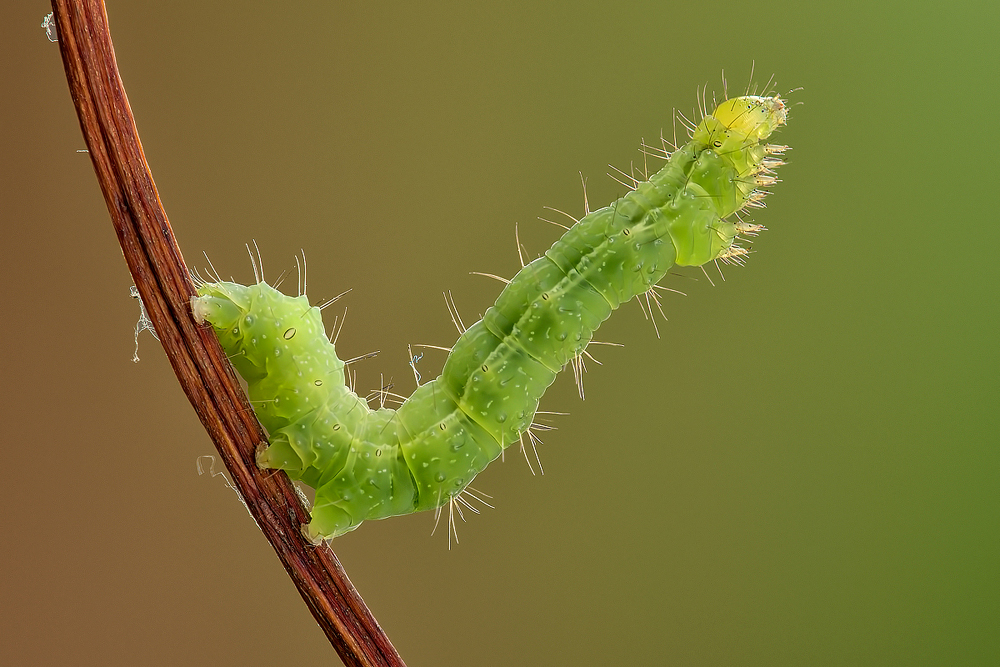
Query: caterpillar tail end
{"type": "Point", "coordinates": [220, 304]}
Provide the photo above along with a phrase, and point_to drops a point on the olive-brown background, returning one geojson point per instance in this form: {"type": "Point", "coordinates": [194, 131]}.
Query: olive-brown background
{"type": "Point", "coordinates": [803, 471]}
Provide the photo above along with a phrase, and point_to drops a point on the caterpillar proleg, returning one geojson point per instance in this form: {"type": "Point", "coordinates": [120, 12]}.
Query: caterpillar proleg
{"type": "Point", "coordinates": [372, 464]}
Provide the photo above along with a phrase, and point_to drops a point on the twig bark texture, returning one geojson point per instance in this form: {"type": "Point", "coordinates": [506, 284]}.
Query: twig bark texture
{"type": "Point", "coordinates": [165, 286]}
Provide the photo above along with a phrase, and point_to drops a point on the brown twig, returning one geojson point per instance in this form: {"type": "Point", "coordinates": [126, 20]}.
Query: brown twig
{"type": "Point", "coordinates": [201, 366]}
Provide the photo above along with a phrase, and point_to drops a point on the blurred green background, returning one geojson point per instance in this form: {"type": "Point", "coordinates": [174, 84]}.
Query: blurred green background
{"type": "Point", "coordinates": [806, 464]}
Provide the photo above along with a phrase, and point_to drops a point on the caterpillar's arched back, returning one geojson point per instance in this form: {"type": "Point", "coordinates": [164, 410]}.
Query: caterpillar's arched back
{"type": "Point", "coordinates": [371, 464]}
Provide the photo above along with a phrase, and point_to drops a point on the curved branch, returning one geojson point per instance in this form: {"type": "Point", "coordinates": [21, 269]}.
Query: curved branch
{"type": "Point", "coordinates": [164, 284]}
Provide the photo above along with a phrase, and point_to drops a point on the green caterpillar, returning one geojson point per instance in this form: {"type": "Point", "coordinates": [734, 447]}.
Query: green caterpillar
{"type": "Point", "coordinates": [372, 464]}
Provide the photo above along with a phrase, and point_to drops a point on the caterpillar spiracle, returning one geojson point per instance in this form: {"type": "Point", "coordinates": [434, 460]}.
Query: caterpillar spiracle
{"type": "Point", "coordinates": [372, 464]}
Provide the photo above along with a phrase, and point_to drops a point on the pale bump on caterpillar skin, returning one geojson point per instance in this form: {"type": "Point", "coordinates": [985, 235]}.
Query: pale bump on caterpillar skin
{"type": "Point", "coordinates": [372, 464]}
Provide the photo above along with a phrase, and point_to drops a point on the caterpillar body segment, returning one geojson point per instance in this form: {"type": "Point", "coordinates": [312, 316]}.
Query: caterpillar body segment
{"type": "Point", "coordinates": [371, 464]}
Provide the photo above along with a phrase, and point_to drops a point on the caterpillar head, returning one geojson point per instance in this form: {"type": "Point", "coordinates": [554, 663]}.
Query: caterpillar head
{"type": "Point", "coordinates": [753, 117]}
{"type": "Point", "coordinates": [732, 139]}
{"type": "Point", "coordinates": [741, 123]}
